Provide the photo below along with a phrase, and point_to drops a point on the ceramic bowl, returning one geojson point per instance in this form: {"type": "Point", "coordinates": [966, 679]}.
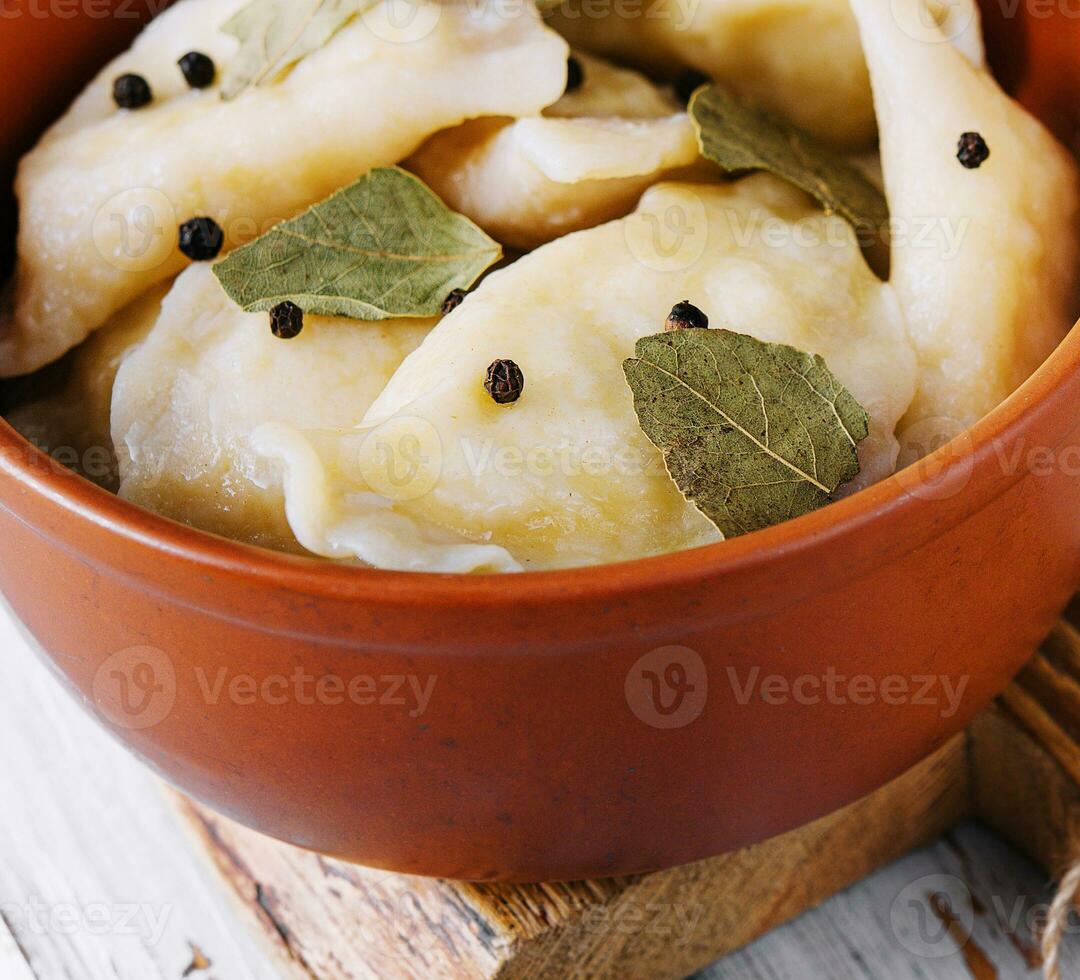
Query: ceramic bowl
{"type": "Point", "coordinates": [559, 725]}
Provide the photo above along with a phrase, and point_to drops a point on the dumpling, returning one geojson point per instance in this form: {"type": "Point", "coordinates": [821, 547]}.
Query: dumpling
{"type": "Point", "coordinates": [799, 58]}
{"type": "Point", "coordinates": [587, 160]}
{"type": "Point", "coordinates": [186, 401]}
{"type": "Point", "coordinates": [566, 477]}
{"type": "Point", "coordinates": [104, 192]}
{"type": "Point", "coordinates": [984, 260]}
{"type": "Point", "coordinates": [72, 422]}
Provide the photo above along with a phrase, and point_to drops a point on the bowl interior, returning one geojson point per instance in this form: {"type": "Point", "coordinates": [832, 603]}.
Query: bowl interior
{"type": "Point", "coordinates": [1035, 56]}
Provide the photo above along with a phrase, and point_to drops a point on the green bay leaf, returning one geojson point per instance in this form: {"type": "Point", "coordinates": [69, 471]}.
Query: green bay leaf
{"type": "Point", "coordinates": [383, 247]}
{"type": "Point", "coordinates": [741, 137]}
{"type": "Point", "coordinates": [752, 433]}
{"type": "Point", "coordinates": [275, 34]}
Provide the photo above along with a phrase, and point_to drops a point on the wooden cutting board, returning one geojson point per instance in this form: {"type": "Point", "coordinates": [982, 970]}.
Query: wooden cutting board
{"type": "Point", "coordinates": [1017, 768]}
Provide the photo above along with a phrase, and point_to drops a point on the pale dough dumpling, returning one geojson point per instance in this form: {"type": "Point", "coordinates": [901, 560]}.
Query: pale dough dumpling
{"type": "Point", "coordinates": [984, 261]}
{"type": "Point", "coordinates": [186, 401]}
{"type": "Point", "coordinates": [586, 160]}
{"type": "Point", "coordinates": [565, 476]}
{"type": "Point", "coordinates": [72, 423]}
{"type": "Point", "coordinates": [104, 192]}
{"type": "Point", "coordinates": [800, 58]}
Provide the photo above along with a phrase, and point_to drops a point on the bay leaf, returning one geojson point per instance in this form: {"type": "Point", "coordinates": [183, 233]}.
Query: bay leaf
{"type": "Point", "coordinates": [383, 247]}
{"type": "Point", "coordinates": [741, 137]}
{"type": "Point", "coordinates": [275, 34]}
{"type": "Point", "coordinates": [752, 433]}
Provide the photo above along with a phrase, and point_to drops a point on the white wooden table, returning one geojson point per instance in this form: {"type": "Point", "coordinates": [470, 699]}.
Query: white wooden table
{"type": "Point", "coordinates": [99, 882]}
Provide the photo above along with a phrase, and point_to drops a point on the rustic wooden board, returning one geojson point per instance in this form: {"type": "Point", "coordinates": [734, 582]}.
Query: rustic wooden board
{"type": "Point", "coordinates": [1017, 768]}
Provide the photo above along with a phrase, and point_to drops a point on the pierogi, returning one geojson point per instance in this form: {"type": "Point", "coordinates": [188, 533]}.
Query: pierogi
{"type": "Point", "coordinates": [504, 435]}
{"type": "Point", "coordinates": [103, 193]}
{"type": "Point", "coordinates": [187, 400]}
{"type": "Point", "coordinates": [586, 160]}
{"type": "Point", "coordinates": [984, 261]}
{"type": "Point", "coordinates": [566, 476]}
{"type": "Point", "coordinates": [72, 423]}
{"type": "Point", "coordinates": [799, 58]}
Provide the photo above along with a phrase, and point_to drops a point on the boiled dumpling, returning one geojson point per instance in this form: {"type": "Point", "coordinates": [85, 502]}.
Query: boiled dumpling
{"type": "Point", "coordinates": [566, 477]}
{"type": "Point", "coordinates": [984, 260]}
{"type": "Point", "coordinates": [72, 422]}
{"type": "Point", "coordinates": [186, 401]}
{"type": "Point", "coordinates": [800, 58]}
{"type": "Point", "coordinates": [103, 194]}
{"type": "Point", "coordinates": [587, 160]}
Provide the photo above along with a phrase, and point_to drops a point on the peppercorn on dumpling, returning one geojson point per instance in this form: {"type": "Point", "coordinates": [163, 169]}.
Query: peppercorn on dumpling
{"type": "Point", "coordinates": [800, 58]}
{"type": "Point", "coordinates": [586, 160]}
{"type": "Point", "coordinates": [985, 250]}
{"type": "Point", "coordinates": [103, 194]}
{"type": "Point", "coordinates": [186, 401]}
{"type": "Point", "coordinates": [564, 476]}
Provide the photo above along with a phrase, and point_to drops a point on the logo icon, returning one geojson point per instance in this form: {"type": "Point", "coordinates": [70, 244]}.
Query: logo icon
{"type": "Point", "coordinates": [935, 22]}
{"type": "Point", "coordinates": [667, 688]}
{"type": "Point", "coordinates": [931, 475]}
{"type": "Point", "coordinates": [933, 916]}
{"type": "Point", "coordinates": [135, 230]}
{"type": "Point", "coordinates": [135, 688]}
{"type": "Point", "coordinates": [401, 459]}
{"type": "Point", "coordinates": [403, 21]}
{"type": "Point", "coordinates": [672, 239]}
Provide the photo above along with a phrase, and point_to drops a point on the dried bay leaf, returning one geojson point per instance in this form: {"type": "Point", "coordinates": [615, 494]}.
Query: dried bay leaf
{"type": "Point", "coordinates": [275, 34]}
{"type": "Point", "coordinates": [741, 137]}
{"type": "Point", "coordinates": [383, 247]}
{"type": "Point", "coordinates": [752, 433]}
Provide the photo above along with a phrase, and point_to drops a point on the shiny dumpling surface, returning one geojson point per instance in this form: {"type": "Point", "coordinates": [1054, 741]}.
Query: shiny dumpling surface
{"type": "Point", "coordinates": [565, 476]}
{"type": "Point", "coordinates": [72, 422]}
{"type": "Point", "coordinates": [586, 160]}
{"type": "Point", "coordinates": [983, 260]}
{"type": "Point", "coordinates": [187, 400]}
{"type": "Point", "coordinates": [800, 58]}
{"type": "Point", "coordinates": [104, 192]}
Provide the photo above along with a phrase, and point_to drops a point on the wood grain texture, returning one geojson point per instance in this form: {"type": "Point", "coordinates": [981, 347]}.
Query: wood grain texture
{"type": "Point", "coordinates": [1018, 768]}
{"type": "Point", "coordinates": [96, 879]}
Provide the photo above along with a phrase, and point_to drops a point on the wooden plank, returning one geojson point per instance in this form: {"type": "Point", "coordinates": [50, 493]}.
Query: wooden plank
{"type": "Point", "coordinates": [96, 879]}
{"type": "Point", "coordinates": [887, 926]}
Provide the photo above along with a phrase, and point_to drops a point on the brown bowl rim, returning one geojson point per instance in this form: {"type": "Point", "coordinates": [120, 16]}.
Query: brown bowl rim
{"type": "Point", "coordinates": [316, 576]}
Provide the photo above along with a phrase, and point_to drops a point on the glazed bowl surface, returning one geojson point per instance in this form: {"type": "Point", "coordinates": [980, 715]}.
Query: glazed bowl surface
{"type": "Point", "coordinates": [557, 725]}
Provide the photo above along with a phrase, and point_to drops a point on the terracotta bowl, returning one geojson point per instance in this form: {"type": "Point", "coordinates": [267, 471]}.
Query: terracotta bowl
{"type": "Point", "coordinates": [550, 726]}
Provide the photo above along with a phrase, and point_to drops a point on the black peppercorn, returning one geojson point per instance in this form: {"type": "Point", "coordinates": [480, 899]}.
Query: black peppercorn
{"type": "Point", "coordinates": [575, 74]}
{"type": "Point", "coordinates": [453, 301]}
{"type": "Point", "coordinates": [132, 92]}
{"type": "Point", "coordinates": [686, 316]}
{"type": "Point", "coordinates": [688, 83]}
{"type": "Point", "coordinates": [199, 69]}
{"type": "Point", "coordinates": [286, 320]}
{"type": "Point", "coordinates": [504, 382]}
{"type": "Point", "coordinates": [201, 239]}
{"type": "Point", "coordinates": [972, 151]}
